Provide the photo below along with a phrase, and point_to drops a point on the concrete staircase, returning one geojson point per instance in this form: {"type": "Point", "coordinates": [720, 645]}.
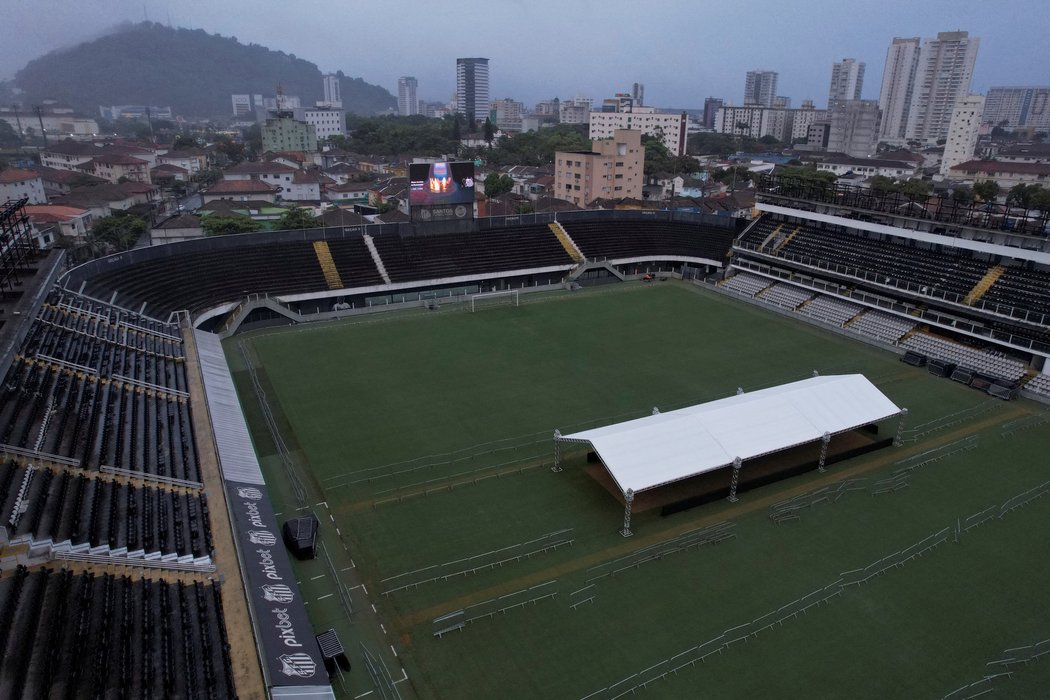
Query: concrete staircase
{"type": "Point", "coordinates": [370, 244]}
{"type": "Point", "coordinates": [331, 273]}
{"type": "Point", "coordinates": [772, 236]}
{"type": "Point", "coordinates": [787, 239]}
{"type": "Point", "coordinates": [984, 284]}
{"type": "Point", "coordinates": [566, 242]}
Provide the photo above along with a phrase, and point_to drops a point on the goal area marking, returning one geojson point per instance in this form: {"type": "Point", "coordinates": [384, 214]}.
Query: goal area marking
{"type": "Point", "coordinates": [507, 296]}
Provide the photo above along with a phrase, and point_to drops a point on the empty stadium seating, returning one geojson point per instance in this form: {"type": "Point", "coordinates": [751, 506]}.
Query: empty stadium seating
{"type": "Point", "coordinates": [411, 258]}
{"type": "Point", "coordinates": [612, 239]}
{"type": "Point", "coordinates": [82, 635]}
{"type": "Point", "coordinates": [196, 281]}
{"type": "Point", "coordinates": [1040, 385]}
{"type": "Point", "coordinates": [881, 326]}
{"type": "Point", "coordinates": [987, 362]}
{"type": "Point", "coordinates": [831, 310]}
{"type": "Point", "coordinates": [72, 512]}
{"type": "Point", "coordinates": [747, 284]}
{"type": "Point", "coordinates": [786, 296]}
{"type": "Point", "coordinates": [101, 387]}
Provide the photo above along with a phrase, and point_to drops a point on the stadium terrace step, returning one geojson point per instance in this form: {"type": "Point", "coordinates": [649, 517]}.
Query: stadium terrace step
{"type": "Point", "coordinates": [324, 257]}
{"type": "Point", "coordinates": [566, 242]}
{"type": "Point", "coordinates": [984, 284]}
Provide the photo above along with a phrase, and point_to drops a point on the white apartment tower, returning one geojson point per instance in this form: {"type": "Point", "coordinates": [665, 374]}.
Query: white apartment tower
{"type": "Point", "coordinates": [472, 88]}
{"type": "Point", "coordinates": [898, 80]}
{"type": "Point", "coordinates": [332, 96]}
{"type": "Point", "coordinates": [760, 88]}
{"type": "Point", "coordinates": [962, 132]}
{"type": "Point", "coordinates": [407, 102]}
{"type": "Point", "coordinates": [847, 80]}
{"type": "Point", "coordinates": [942, 81]}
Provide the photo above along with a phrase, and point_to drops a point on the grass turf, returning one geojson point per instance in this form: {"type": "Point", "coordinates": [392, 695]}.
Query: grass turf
{"type": "Point", "coordinates": [359, 396]}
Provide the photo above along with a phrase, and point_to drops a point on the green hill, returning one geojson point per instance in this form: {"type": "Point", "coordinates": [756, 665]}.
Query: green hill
{"type": "Point", "coordinates": [189, 69]}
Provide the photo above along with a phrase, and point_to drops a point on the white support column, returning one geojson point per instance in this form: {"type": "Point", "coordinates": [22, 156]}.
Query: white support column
{"type": "Point", "coordinates": [628, 499]}
{"type": "Point", "coordinates": [557, 451]}
{"type": "Point", "coordinates": [823, 452]}
{"type": "Point", "coordinates": [737, 464]}
{"type": "Point", "coordinates": [899, 440]}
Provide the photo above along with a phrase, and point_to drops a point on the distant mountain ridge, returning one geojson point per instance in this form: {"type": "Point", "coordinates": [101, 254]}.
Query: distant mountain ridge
{"type": "Point", "coordinates": [189, 69]}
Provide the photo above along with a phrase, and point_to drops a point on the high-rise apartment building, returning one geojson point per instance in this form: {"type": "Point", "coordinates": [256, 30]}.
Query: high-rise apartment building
{"type": "Point", "coordinates": [760, 88]}
{"type": "Point", "coordinates": [1018, 107]}
{"type": "Point", "coordinates": [898, 82]}
{"type": "Point", "coordinates": [671, 128]}
{"type": "Point", "coordinates": [407, 102]}
{"type": "Point", "coordinates": [853, 127]}
{"type": "Point", "coordinates": [711, 107]}
{"type": "Point", "coordinates": [962, 132]}
{"type": "Point", "coordinates": [941, 82]}
{"type": "Point", "coordinates": [847, 80]}
{"type": "Point", "coordinates": [508, 114]}
{"type": "Point", "coordinates": [472, 88]}
{"type": "Point", "coordinates": [332, 97]}
{"type": "Point", "coordinates": [638, 93]}
{"type": "Point", "coordinates": [613, 169]}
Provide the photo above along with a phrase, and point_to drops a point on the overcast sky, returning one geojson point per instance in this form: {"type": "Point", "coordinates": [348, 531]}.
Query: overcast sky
{"type": "Point", "coordinates": [682, 50]}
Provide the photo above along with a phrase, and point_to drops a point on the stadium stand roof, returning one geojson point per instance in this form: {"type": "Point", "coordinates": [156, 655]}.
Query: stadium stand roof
{"type": "Point", "coordinates": [656, 450]}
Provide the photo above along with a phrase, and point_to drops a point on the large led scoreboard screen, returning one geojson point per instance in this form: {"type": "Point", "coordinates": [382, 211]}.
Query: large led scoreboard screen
{"type": "Point", "coordinates": [441, 191]}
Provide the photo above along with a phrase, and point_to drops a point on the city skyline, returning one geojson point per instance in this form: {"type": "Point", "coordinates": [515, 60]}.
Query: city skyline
{"type": "Point", "coordinates": [679, 66]}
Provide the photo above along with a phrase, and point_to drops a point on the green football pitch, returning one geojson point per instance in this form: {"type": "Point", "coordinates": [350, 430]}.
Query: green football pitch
{"type": "Point", "coordinates": [424, 438]}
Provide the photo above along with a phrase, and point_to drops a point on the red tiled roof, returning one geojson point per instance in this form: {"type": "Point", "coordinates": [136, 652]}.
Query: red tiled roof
{"type": "Point", "coordinates": [996, 166]}
{"type": "Point", "coordinates": [52, 213]}
{"type": "Point", "coordinates": [118, 159]}
{"type": "Point", "coordinates": [12, 175]}
{"type": "Point", "coordinates": [247, 168]}
{"type": "Point", "coordinates": [241, 187]}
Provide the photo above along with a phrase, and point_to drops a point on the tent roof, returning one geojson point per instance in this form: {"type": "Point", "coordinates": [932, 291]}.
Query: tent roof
{"type": "Point", "coordinates": [656, 450]}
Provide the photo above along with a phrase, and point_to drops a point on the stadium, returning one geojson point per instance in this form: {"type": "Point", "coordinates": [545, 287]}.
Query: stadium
{"type": "Point", "coordinates": [578, 455]}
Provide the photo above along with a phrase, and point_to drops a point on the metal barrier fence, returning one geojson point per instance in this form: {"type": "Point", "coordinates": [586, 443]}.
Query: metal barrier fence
{"type": "Point", "coordinates": [382, 682]}
{"type": "Point", "coordinates": [789, 509]}
{"type": "Point", "coordinates": [459, 619]}
{"type": "Point", "coordinates": [694, 538]}
{"type": "Point", "coordinates": [742, 633]}
{"type": "Point", "coordinates": [479, 562]}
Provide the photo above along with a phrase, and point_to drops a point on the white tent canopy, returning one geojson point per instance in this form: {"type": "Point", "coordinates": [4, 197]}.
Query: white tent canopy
{"type": "Point", "coordinates": [656, 450]}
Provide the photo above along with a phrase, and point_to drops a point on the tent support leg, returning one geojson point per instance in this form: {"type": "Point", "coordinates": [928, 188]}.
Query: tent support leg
{"type": "Point", "coordinates": [737, 464]}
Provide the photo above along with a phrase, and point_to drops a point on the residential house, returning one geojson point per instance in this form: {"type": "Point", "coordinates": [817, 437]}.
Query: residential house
{"type": "Point", "coordinates": [241, 191]}
{"type": "Point", "coordinates": [1006, 174]}
{"type": "Point", "coordinates": [67, 154]}
{"type": "Point", "coordinates": [115, 167]}
{"type": "Point", "coordinates": [183, 227]}
{"type": "Point", "coordinates": [342, 173]}
{"type": "Point", "coordinates": [305, 186]}
{"type": "Point", "coordinates": [166, 175]}
{"type": "Point", "coordinates": [192, 160]}
{"type": "Point", "coordinates": [59, 182]}
{"type": "Point", "coordinates": [104, 200]}
{"type": "Point", "coordinates": [16, 184]}
{"type": "Point", "coordinates": [277, 175]}
{"type": "Point", "coordinates": [69, 222]}
{"type": "Point", "coordinates": [348, 193]}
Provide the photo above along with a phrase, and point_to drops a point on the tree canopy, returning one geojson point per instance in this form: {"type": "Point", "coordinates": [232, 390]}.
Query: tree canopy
{"type": "Point", "coordinates": [497, 184]}
{"type": "Point", "coordinates": [225, 225]}
{"type": "Point", "coordinates": [295, 218]}
{"type": "Point", "coordinates": [534, 147]}
{"type": "Point", "coordinates": [118, 232]}
{"type": "Point", "coordinates": [987, 190]}
{"type": "Point", "coordinates": [391, 135]}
